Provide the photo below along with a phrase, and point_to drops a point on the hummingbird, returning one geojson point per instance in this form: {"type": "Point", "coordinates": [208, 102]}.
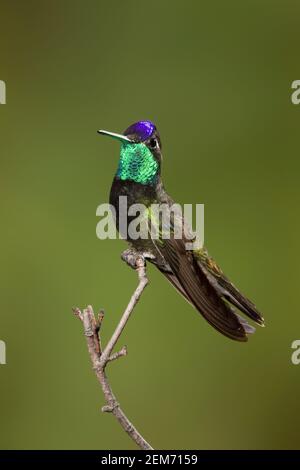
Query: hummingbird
{"type": "Point", "coordinates": [193, 272]}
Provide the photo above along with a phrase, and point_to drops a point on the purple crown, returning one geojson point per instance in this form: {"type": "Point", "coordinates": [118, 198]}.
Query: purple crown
{"type": "Point", "coordinates": [143, 129]}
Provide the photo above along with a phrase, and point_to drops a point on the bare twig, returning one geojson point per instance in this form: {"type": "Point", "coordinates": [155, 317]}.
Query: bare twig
{"type": "Point", "coordinates": [100, 358]}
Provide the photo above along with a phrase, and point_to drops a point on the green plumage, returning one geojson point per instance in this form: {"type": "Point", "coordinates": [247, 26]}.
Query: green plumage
{"type": "Point", "coordinates": [137, 164]}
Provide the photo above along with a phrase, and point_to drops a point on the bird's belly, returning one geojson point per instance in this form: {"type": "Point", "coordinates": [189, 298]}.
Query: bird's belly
{"type": "Point", "coordinates": [135, 193]}
{"type": "Point", "coordinates": [123, 196]}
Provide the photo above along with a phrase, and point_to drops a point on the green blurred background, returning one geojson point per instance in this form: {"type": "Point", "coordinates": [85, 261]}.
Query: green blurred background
{"type": "Point", "coordinates": [216, 79]}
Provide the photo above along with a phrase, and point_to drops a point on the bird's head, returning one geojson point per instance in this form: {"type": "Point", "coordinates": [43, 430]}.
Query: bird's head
{"type": "Point", "coordinates": [140, 156]}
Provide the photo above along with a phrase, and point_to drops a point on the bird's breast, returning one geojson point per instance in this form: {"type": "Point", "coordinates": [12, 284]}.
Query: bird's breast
{"type": "Point", "coordinates": [123, 195]}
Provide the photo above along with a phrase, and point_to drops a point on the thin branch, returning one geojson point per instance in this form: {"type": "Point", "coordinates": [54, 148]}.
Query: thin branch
{"type": "Point", "coordinates": [116, 355]}
{"type": "Point", "coordinates": [101, 358]}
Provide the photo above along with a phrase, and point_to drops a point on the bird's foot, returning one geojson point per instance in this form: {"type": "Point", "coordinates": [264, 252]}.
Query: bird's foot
{"type": "Point", "coordinates": [133, 258]}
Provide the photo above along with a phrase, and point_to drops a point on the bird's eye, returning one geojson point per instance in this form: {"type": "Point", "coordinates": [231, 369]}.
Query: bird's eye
{"type": "Point", "coordinates": [153, 143]}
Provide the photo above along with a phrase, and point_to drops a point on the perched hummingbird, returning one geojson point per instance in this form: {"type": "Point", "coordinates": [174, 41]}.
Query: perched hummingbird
{"type": "Point", "coordinates": [192, 272]}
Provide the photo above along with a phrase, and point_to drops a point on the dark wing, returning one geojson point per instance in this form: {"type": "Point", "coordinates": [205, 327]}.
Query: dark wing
{"type": "Point", "coordinates": [207, 289]}
{"type": "Point", "coordinates": [203, 294]}
{"type": "Point", "coordinates": [226, 288]}
{"type": "Point", "coordinates": [193, 283]}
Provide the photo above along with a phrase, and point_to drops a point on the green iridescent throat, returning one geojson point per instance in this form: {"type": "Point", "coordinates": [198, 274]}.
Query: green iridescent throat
{"type": "Point", "coordinates": [137, 164]}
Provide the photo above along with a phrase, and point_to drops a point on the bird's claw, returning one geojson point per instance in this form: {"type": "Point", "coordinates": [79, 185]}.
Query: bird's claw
{"type": "Point", "coordinates": [132, 258]}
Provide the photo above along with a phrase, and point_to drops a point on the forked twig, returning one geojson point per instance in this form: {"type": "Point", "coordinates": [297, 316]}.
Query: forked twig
{"type": "Point", "coordinates": [100, 358]}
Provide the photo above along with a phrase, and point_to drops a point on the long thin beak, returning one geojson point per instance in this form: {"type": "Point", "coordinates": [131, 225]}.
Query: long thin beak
{"type": "Point", "coordinates": [120, 137]}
